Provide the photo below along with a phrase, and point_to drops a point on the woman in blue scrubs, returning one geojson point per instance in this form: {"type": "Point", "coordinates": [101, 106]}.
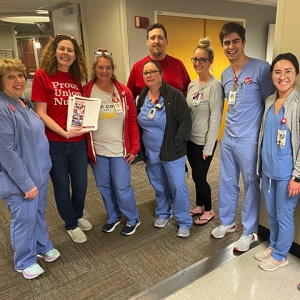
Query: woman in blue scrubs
{"type": "Point", "coordinates": [165, 122]}
{"type": "Point", "coordinates": [24, 171]}
{"type": "Point", "coordinates": [279, 159]}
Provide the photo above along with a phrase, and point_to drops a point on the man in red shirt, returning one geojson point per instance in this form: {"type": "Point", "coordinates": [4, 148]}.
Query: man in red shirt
{"type": "Point", "coordinates": [174, 71]}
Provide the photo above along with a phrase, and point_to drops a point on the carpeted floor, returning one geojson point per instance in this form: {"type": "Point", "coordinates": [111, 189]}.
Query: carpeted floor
{"type": "Point", "coordinates": [111, 266]}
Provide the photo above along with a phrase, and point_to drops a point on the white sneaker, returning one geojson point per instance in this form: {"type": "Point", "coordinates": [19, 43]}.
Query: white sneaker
{"type": "Point", "coordinates": [183, 232]}
{"type": "Point", "coordinates": [77, 235]}
{"type": "Point", "coordinates": [271, 264]}
{"type": "Point", "coordinates": [33, 271]}
{"type": "Point", "coordinates": [264, 254]}
{"type": "Point", "coordinates": [243, 244]}
{"type": "Point", "coordinates": [160, 223]}
{"type": "Point", "coordinates": [50, 256]}
{"type": "Point", "coordinates": [221, 230]}
{"type": "Point", "coordinates": [84, 224]}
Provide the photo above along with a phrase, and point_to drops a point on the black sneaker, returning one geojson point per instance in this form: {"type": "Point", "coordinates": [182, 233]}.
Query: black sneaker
{"type": "Point", "coordinates": [110, 227]}
{"type": "Point", "coordinates": [130, 229]}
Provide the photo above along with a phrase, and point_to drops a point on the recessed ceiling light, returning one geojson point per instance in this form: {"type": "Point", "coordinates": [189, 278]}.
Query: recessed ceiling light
{"type": "Point", "coordinates": [26, 19]}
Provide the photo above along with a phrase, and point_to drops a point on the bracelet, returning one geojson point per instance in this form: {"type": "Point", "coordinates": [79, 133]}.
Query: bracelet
{"type": "Point", "coordinates": [67, 136]}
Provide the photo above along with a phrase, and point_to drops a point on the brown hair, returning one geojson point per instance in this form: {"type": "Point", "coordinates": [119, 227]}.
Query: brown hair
{"type": "Point", "coordinates": [48, 62]}
{"type": "Point", "coordinates": [156, 63]}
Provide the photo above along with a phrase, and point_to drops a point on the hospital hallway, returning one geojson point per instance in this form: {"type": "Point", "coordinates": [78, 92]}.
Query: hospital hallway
{"type": "Point", "coordinates": [152, 263]}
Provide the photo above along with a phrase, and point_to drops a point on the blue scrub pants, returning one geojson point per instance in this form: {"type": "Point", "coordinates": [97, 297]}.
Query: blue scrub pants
{"type": "Point", "coordinates": [239, 156]}
{"type": "Point", "coordinates": [28, 228]}
{"type": "Point", "coordinates": [169, 177]}
{"type": "Point", "coordinates": [113, 176]}
{"type": "Point", "coordinates": [280, 209]}
{"type": "Point", "coordinates": [69, 164]}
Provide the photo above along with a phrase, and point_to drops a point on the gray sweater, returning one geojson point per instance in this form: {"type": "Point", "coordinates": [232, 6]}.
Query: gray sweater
{"type": "Point", "coordinates": [207, 115]}
{"type": "Point", "coordinates": [292, 114]}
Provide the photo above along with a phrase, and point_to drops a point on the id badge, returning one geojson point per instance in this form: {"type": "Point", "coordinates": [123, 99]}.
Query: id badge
{"type": "Point", "coordinates": [281, 138]}
{"type": "Point", "coordinates": [118, 107]}
{"type": "Point", "coordinates": [232, 97]}
{"type": "Point", "coordinates": [151, 113]}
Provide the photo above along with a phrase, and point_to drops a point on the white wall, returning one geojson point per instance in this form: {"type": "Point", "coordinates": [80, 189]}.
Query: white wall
{"type": "Point", "coordinates": [105, 26]}
{"type": "Point", "coordinates": [257, 19]}
{"type": "Point", "coordinates": [110, 24]}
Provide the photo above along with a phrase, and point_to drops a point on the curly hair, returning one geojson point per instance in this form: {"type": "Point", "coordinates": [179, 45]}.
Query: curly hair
{"type": "Point", "coordinates": [49, 64]}
{"type": "Point", "coordinates": [10, 64]}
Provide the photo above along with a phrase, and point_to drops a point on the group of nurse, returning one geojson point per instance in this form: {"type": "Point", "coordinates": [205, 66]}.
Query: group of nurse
{"type": "Point", "coordinates": [170, 127]}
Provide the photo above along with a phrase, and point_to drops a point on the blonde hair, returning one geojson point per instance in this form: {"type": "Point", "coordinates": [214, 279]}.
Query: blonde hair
{"type": "Point", "coordinates": [95, 62]}
{"type": "Point", "coordinates": [204, 43]}
{"type": "Point", "coordinates": [10, 64]}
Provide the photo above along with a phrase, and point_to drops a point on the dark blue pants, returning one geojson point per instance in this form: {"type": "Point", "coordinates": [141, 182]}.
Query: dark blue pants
{"type": "Point", "coordinates": [69, 164]}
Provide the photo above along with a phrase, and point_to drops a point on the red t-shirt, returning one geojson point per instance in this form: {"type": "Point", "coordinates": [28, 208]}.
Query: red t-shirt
{"type": "Point", "coordinates": [55, 91]}
{"type": "Point", "coordinates": [174, 73]}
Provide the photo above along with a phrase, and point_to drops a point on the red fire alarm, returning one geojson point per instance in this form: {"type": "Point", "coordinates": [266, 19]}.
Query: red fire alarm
{"type": "Point", "coordinates": [141, 22]}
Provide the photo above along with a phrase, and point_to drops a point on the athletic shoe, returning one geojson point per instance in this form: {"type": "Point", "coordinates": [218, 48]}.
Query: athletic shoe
{"type": "Point", "coordinates": [50, 256]}
{"type": "Point", "coordinates": [130, 229]}
{"type": "Point", "coordinates": [183, 232]}
{"type": "Point", "coordinates": [84, 224]}
{"type": "Point", "coordinates": [160, 223]}
{"type": "Point", "coordinates": [33, 271]}
{"type": "Point", "coordinates": [243, 244]}
{"type": "Point", "coordinates": [271, 264]}
{"type": "Point", "coordinates": [264, 254]}
{"type": "Point", "coordinates": [77, 235]}
{"type": "Point", "coordinates": [110, 227]}
{"type": "Point", "coordinates": [221, 230]}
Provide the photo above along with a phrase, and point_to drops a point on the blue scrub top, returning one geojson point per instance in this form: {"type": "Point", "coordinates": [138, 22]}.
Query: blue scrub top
{"type": "Point", "coordinates": [153, 129]}
{"type": "Point", "coordinates": [277, 162]}
{"type": "Point", "coordinates": [42, 144]}
{"type": "Point", "coordinates": [254, 84]}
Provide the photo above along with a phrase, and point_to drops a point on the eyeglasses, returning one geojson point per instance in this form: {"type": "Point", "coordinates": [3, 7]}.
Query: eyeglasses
{"type": "Point", "coordinates": [200, 60]}
{"type": "Point", "coordinates": [67, 35]}
{"type": "Point", "coordinates": [286, 73]}
{"type": "Point", "coordinates": [151, 73]}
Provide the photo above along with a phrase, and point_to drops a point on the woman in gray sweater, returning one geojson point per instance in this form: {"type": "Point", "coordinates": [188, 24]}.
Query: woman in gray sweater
{"type": "Point", "coordinates": [205, 99]}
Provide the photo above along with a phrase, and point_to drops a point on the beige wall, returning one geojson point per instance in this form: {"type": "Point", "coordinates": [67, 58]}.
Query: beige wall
{"type": "Point", "coordinates": [286, 40]}
{"type": "Point", "coordinates": [7, 39]}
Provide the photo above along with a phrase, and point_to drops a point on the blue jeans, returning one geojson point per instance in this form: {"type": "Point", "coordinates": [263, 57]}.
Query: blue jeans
{"type": "Point", "coordinates": [69, 163]}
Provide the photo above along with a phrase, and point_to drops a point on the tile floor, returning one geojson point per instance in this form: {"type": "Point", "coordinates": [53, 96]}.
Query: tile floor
{"type": "Point", "coordinates": [241, 279]}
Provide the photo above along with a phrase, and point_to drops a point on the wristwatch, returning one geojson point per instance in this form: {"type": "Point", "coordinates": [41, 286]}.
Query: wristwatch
{"type": "Point", "coordinates": [296, 179]}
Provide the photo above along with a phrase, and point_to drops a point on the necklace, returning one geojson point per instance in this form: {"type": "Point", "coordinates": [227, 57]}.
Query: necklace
{"type": "Point", "coordinates": [153, 99]}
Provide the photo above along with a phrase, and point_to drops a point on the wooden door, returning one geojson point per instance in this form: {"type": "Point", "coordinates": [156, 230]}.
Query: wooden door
{"type": "Point", "coordinates": [27, 54]}
{"type": "Point", "coordinates": [183, 37]}
{"type": "Point", "coordinates": [184, 34]}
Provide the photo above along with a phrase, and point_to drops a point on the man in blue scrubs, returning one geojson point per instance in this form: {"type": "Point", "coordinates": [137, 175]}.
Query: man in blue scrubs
{"type": "Point", "coordinates": [247, 83]}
